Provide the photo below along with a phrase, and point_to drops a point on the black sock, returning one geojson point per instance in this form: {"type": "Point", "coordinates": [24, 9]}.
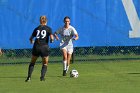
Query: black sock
{"type": "Point", "coordinates": [30, 69]}
{"type": "Point", "coordinates": [43, 71]}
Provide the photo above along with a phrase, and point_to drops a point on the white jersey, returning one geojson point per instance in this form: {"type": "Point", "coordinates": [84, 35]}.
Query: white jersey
{"type": "Point", "coordinates": [66, 36]}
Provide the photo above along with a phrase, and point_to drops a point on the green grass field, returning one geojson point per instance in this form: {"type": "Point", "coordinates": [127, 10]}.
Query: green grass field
{"type": "Point", "coordinates": [95, 77]}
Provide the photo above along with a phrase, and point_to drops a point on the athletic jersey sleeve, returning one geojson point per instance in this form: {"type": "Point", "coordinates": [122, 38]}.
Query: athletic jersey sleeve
{"type": "Point", "coordinates": [50, 31]}
{"type": "Point", "coordinates": [74, 31]}
{"type": "Point", "coordinates": [34, 33]}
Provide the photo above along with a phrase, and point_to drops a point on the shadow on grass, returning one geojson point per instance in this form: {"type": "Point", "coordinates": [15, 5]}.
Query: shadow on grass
{"type": "Point", "coordinates": [49, 76]}
{"type": "Point", "coordinates": [11, 77]}
{"type": "Point", "coordinates": [58, 76]}
{"type": "Point", "coordinates": [134, 73]}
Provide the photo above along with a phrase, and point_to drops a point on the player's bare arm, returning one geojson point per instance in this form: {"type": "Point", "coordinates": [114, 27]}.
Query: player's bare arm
{"type": "Point", "coordinates": [31, 40]}
{"type": "Point", "coordinates": [51, 38]}
{"type": "Point", "coordinates": [55, 35]}
{"type": "Point", "coordinates": [76, 37]}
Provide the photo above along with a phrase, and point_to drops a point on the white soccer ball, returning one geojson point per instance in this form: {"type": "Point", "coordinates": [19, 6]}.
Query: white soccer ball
{"type": "Point", "coordinates": [74, 73]}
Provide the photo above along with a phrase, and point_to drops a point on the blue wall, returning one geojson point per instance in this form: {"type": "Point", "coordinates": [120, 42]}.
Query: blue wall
{"type": "Point", "coordinates": [98, 22]}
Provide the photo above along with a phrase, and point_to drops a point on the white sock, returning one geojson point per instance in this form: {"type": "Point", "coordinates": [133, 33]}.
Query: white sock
{"type": "Point", "coordinates": [64, 65]}
{"type": "Point", "coordinates": [67, 68]}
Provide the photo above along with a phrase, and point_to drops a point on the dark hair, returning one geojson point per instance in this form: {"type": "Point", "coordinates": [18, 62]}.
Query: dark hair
{"type": "Point", "coordinates": [66, 17]}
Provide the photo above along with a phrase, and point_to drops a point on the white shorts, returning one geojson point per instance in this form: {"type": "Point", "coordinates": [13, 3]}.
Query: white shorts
{"type": "Point", "coordinates": [69, 49]}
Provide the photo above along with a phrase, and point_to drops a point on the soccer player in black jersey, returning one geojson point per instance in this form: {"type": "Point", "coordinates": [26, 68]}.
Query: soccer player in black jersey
{"type": "Point", "coordinates": [42, 33]}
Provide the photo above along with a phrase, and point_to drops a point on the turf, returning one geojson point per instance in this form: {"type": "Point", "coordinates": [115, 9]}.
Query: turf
{"type": "Point", "coordinates": [94, 77]}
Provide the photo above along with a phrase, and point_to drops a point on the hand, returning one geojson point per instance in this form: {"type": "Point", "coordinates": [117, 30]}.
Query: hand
{"type": "Point", "coordinates": [51, 40]}
{"type": "Point", "coordinates": [31, 41]}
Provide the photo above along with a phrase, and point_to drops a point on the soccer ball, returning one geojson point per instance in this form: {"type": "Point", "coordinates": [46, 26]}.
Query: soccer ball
{"type": "Point", "coordinates": [74, 73]}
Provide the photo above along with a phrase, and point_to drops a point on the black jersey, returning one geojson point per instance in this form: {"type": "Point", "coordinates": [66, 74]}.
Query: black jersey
{"type": "Point", "coordinates": [42, 33]}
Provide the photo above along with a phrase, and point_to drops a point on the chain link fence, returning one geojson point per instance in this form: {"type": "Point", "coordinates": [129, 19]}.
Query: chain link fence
{"type": "Point", "coordinates": [81, 54]}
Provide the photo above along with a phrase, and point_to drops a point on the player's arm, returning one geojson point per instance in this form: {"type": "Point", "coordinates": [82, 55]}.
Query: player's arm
{"type": "Point", "coordinates": [32, 36]}
{"type": "Point", "coordinates": [55, 35]}
{"type": "Point", "coordinates": [76, 37]}
{"type": "Point", "coordinates": [51, 38]}
{"type": "Point", "coordinates": [31, 39]}
{"type": "Point", "coordinates": [75, 34]}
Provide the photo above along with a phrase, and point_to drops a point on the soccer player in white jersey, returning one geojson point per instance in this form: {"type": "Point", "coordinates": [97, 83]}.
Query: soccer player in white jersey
{"type": "Point", "coordinates": [67, 35]}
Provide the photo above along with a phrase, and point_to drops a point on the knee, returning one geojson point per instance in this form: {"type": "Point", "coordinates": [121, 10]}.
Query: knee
{"type": "Point", "coordinates": [64, 57]}
{"type": "Point", "coordinates": [45, 64]}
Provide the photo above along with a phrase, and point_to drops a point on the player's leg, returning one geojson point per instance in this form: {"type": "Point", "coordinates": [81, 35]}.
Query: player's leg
{"type": "Point", "coordinates": [31, 67]}
{"type": "Point", "coordinates": [69, 54]}
{"type": "Point", "coordinates": [45, 57]}
{"type": "Point", "coordinates": [44, 68]}
{"type": "Point", "coordinates": [64, 52]}
{"type": "Point", "coordinates": [68, 61]}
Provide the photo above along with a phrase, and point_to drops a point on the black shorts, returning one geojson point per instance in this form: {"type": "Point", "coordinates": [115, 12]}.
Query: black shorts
{"type": "Point", "coordinates": [40, 50]}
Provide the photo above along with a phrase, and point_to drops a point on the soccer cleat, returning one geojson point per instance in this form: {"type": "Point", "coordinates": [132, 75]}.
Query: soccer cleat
{"type": "Point", "coordinates": [64, 73]}
{"type": "Point", "coordinates": [28, 79]}
{"type": "Point", "coordinates": [42, 79]}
